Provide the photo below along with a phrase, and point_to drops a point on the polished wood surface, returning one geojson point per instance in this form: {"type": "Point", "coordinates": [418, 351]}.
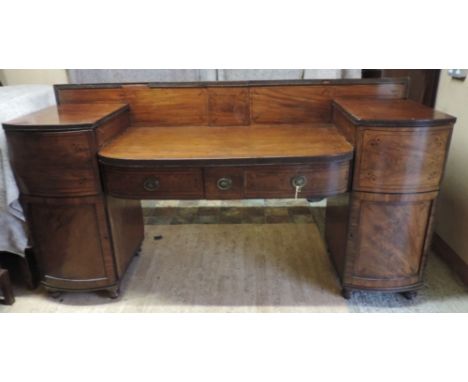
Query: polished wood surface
{"type": "Point", "coordinates": [230, 103]}
{"type": "Point", "coordinates": [71, 241]}
{"type": "Point", "coordinates": [77, 234]}
{"type": "Point", "coordinates": [378, 234]}
{"type": "Point", "coordinates": [403, 112]}
{"type": "Point", "coordinates": [153, 183]}
{"type": "Point", "coordinates": [66, 116]}
{"type": "Point", "coordinates": [54, 164]}
{"type": "Point", "coordinates": [401, 159]}
{"type": "Point", "coordinates": [388, 239]}
{"type": "Point", "coordinates": [268, 181]}
{"type": "Point", "coordinates": [227, 144]}
{"type": "Point", "coordinates": [127, 231]}
{"type": "Point", "coordinates": [378, 157]}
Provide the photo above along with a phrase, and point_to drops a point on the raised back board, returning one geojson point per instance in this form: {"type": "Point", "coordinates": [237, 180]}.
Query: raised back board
{"type": "Point", "coordinates": [230, 103]}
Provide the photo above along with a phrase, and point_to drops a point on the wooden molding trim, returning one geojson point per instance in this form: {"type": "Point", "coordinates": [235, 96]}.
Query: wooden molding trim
{"type": "Point", "coordinates": [454, 261]}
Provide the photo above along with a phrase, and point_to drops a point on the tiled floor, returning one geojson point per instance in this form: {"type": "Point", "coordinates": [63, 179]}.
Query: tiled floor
{"type": "Point", "coordinates": [253, 211]}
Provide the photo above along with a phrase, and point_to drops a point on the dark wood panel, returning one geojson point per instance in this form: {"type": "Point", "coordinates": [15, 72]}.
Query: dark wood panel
{"type": "Point", "coordinates": [54, 164]}
{"type": "Point", "coordinates": [89, 95]}
{"type": "Point", "coordinates": [234, 175]}
{"type": "Point", "coordinates": [167, 107]}
{"type": "Point", "coordinates": [71, 241]}
{"type": "Point", "coordinates": [336, 230]}
{"type": "Point", "coordinates": [401, 160]}
{"type": "Point", "coordinates": [112, 128]}
{"type": "Point", "coordinates": [277, 181]}
{"type": "Point", "coordinates": [153, 183]}
{"type": "Point", "coordinates": [388, 239]}
{"type": "Point", "coordinates": [344, 126]}
{"type": "Point", "coordinates": [127, 230]}
{"type": "Point", "coordinates": [229, 106]}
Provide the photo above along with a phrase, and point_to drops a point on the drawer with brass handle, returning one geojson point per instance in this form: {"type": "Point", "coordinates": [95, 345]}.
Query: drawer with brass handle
{"type": "Point", "coordinates": [314, 180]}
{"type": "Point", "coordinates": [156, 183]}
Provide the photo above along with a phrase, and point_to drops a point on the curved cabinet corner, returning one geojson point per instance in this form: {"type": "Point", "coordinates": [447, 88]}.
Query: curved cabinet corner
{"type": "Point", "coordinates": [71, 242]}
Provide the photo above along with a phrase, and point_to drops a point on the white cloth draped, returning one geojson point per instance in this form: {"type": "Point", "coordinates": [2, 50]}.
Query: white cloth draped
{"type": "Point", "coordinates": [14, 102]}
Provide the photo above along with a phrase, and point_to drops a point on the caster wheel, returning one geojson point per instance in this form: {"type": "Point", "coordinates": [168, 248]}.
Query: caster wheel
{"type": "Point", "coordinates": [114, 293]}
{"type": "Point", "coordinates": [138, 252]}
{"type": "Point", "coordinates": [409, 295]}
{"type": "Point", "coordinates": [346, 293]}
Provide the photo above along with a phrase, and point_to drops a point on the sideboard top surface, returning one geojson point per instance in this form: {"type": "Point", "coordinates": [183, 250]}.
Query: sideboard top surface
{"type": "Point", "coordinates": [255, 143]}
{"type": "Point", "coordinates": [68, 116]}
{"type": "Point", "coordinates": [382, 112]}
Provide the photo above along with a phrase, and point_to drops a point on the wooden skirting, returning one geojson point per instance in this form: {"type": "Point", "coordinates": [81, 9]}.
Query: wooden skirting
{"type": "Point", "coordinates": [454, 261]}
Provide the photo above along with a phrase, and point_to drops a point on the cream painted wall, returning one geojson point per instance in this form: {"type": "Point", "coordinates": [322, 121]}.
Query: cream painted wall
{"type": "Point", "coordinates": [452, 210]}
{"type": "Point", "coordinates": [2, 78]}
{"type": "Point", "coordinates": [33, 76]}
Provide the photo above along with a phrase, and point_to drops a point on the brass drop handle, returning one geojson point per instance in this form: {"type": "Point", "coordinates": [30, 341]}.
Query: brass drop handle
{"type": "Point", "coordinates": [299, 181]}
{"type": "Point", "coordinates": [224, 183]}
{"type": "Point", "coordinates": [151, 184]}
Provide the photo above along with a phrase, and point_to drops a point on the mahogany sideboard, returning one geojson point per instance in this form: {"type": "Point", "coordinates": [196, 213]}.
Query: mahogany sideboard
{"type": "Point", "coordinates": [83, 166]}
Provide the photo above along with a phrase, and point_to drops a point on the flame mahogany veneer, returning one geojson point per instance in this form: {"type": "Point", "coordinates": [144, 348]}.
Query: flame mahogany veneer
{"type": "Point", "coordinates": [83, 166]}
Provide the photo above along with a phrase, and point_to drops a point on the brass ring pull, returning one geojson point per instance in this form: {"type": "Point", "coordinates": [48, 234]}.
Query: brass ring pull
{"type": "Point", "coordinates": [151, 184]}
{"type": "Point", "coordinates": [299, 181]}
{"type": "Point", "coordinates": [224, 183]}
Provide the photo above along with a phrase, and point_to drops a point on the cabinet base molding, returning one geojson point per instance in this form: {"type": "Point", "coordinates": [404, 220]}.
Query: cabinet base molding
{"type": "Point", "coordinates": [453, 260]}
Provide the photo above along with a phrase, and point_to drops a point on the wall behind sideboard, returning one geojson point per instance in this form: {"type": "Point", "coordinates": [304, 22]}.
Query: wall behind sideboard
{"type": "Point", "coordinates": [81, 76]}
{"type": "Point", "coordinates": [33, 76]}
{"type": "Point", "coordinates": [452, 209]}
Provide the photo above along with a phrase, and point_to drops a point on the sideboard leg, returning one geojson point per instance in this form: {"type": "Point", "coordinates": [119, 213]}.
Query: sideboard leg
{"type": "Point", "coordinates": [55, 294]}
{"type": "Point", "coordinates": [409, 295]}
{"type": "Point", "coordinates": [114, 292]}
{"type": "Point", "coordinates": [5, 286]}
{"type": "Point", "coordinates": [346, 293]}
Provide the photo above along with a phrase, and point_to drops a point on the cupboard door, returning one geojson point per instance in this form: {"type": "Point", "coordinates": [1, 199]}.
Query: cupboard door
{"type": "Point", "coordinates": [71, 242]}
{"type": "Point", "coordinates": [388, 239]}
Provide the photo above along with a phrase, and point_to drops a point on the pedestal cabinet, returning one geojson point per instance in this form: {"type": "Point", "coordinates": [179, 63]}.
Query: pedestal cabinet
{"type": "Point", "coordinates": [82, 239]}
{"type": "Point", "coordinates": [379, 233]}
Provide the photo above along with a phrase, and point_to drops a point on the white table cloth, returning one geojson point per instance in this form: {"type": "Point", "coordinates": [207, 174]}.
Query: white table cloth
{"type": "Point", "coordinates": [14, 102]}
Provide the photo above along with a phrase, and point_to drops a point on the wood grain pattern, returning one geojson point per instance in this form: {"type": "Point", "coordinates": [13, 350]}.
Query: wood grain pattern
{"type": "Point", "coordinates": [229, 103]}
{"type": "Point", "coordinates": [173, 183]}
{"type": "Point", "coordinates": [54, 163]}
{"type": "Point", "coordinates": [71, 241]}
{"type": "Point", "coordinates": [112, 128]}
{"type": "Point", "coordinates": [217, 144]}
{"type": "Point", "coordinates": [388, 240]}
{"type": "Point", "coordinates": [126, 229]}
{"type": "Point", "coordinates": [308, 103]}
{"type": "Point", "coordinates": [90, 95]}
{"type": "Point", "coordinates": [344, 126]}
{"type": "Point", "coordinates": [401, 160]}
{"type": "Point", "coordinates": [167, 107]}
{"type": "Point", "coordinates": [323, 179]}
{"type": "Point", "coordinates": [66, 117]}
{"type": "Point", "coordinates": [229, 106]}
{"type": "Point", "coordinates": [213, 174]}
